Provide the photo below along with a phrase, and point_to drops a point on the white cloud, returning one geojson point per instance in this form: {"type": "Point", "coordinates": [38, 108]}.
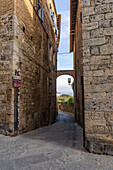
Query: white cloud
{"type": "Point", "coordinates": [65, 90]}
{"type": "Point", "coordinates": [65, 16]}
{"type": "Point", "coordinates": [62, 85]}
{"type": "Point", "coordinates": [65, 26]}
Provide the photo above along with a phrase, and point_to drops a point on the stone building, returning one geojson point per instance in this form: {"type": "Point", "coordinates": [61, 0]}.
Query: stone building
{"type": "Point", "coordinates": [91, 40]}
{"type": "Point", "coordinates": [76, 47]}
{"type": "Point", "coordinates": [29, 39]}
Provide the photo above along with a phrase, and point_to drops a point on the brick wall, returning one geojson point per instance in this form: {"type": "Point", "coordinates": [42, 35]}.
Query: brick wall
{"type": "Point", "coordinates": [98, 74]}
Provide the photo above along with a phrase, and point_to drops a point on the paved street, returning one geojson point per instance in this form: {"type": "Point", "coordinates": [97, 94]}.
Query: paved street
{"type": "Point", "coordinates": [57, 147]}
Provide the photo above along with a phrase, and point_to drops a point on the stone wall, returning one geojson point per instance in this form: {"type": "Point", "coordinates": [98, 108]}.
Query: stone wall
{"type": "Point", "coordinates": [66, 107]}
{"type": "Point", "coordinates": [78, 66]}
{"type": "Point", "coordinates": [38, 90]}
{"type": "Point", "coordinates": [98, 74]}
{"type": "Point", "coordinates": [6, 62]}
{"type": "Point", "coordinates": [32, 43]}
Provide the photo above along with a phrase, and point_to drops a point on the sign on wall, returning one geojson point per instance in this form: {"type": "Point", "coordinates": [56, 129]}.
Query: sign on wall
{"type": "Point", "coordinates": [16, 81]}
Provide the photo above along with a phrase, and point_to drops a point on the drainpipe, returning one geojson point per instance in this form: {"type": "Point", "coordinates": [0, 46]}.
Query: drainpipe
{"type": "Point", "coordinates": [18, 99]}
{"type": "Point", "coordinates": [83, 106]}
{"type": "Point", "coordinates": [19, 63]}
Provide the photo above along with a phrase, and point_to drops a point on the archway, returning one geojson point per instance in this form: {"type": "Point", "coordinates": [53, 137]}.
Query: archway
{"type": "Point", "coordinates": [65, 61]}
{"type": "Point", "coordinates": [65, 93]}
{"type": "Point", "coordinates": [65, 72]}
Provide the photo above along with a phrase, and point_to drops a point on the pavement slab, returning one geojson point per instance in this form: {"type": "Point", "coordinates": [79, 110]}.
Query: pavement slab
{"type": "Point", "coordinates": [55, 147]}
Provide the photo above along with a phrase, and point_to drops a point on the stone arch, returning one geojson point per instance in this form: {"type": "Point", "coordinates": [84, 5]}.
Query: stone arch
{"type": "Point", "coordinates": [65, 72]}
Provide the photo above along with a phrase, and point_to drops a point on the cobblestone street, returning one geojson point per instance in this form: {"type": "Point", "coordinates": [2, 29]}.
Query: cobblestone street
{"type": "Point", "coordinates": [57, 147]}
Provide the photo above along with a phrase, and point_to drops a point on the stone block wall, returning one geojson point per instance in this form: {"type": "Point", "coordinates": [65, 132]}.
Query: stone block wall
{"type": "Point", "coordinates": [97, 22]}
{"type": "Point", "coordinates": [78, 66]}
{"type": "Point", "coordinates": [27, 40]}
{"type": "Point", "coordinates": [38, 45]}
{"type": "Point", "coordinates": [6, 62]}
{"type": "Point", "coordinates": [66, 107]}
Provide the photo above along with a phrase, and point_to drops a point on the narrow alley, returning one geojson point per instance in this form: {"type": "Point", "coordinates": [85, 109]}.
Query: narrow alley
{"type": "Point", "coordinates": [56, 147]}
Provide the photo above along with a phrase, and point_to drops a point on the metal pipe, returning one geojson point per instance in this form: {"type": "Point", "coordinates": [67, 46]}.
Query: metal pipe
{"type": "Point", "coordinates": [18, 99]}
{"type": "Point", "coordinates": [83, 106]}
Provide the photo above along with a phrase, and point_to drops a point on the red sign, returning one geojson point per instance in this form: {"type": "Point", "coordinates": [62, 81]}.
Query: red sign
{"type": "Point", "coordinates": [16, 81]}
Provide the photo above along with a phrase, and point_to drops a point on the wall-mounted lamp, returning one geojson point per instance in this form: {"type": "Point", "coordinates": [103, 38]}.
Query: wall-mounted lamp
{"type": "Point", "coordinates": [69, 81]}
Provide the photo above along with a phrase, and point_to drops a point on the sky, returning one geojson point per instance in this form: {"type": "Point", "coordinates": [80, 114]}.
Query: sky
{"type": "Point", "coordinates": [64, 61]}
{"type": "Point", "coordinates": [62, 85]}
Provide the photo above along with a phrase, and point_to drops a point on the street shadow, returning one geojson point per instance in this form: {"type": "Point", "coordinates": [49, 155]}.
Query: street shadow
{"type": "Point", "coordinates": [65, 133]}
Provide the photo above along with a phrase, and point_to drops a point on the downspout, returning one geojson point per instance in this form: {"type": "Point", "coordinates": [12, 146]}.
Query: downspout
{"type": "Point", "coordinates": [83, 106]}
{"type": "Point", "coordinates": [19, 62]}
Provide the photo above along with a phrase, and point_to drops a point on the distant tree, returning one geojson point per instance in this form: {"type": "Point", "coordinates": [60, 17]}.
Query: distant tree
{"type": "Point", "coordinates": [70, 100]}
{"type": "Point", "coordinates": [65, 95]}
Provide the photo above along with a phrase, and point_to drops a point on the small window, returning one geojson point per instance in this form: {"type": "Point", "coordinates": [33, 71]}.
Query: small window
{"type": "Point", "coordinates": [81, 17]}
{"type": "Point", "coordinates": [31, 38]}
{"type": "Point", "coordinates": [51, 54]}
{"type": "Point", "coordinates": [38, 5]}
{"type": "Point", "coordinates": [50, 6]}
{"type": "Point", "coordinates": [56, 33]}
{"type": "Point", "coordinates": [24, 28]}
{"type": "Point", "coordinates": [51, 14]}
{"type": "Point", "coordinates": [54, 58]}
{"type": "Point", "coordinates": [42, 15]}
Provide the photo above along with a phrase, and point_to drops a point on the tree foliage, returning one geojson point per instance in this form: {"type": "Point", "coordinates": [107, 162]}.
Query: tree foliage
{"type": "Point", "coordinates": [70, 100]}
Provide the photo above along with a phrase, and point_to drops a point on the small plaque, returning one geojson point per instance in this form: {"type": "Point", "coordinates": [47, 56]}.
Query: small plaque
{"type": "Point", "coordinates": [16, 81]}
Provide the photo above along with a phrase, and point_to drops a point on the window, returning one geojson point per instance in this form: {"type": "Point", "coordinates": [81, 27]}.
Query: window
{"type": "Point", "coordinates": [31, 38]}
{"type": "Point", "coordinates": [56, 33]}
{"type": "Point", "coordinates": [51, 53]}
{"type": "Point", "coordinates": [42, 14]}
{"type": "Point", "coordinates": [54, 58]}
{"type": "Point", "coordinates": [24, 28]}
{"type": "Point", "coordinates": [38, 5]}
{"type": "Point", "coordinates": [40, 10]}
{"type": "Point", "coordinates": [51, 14]}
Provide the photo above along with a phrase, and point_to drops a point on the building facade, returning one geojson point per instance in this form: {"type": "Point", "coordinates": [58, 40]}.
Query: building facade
{"type": "Point", "coordinates": [76, 48]}
{"type": "Point", "coordinates": [29, 38]}
{"type": "Point", "coordinates": [92, 43]}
